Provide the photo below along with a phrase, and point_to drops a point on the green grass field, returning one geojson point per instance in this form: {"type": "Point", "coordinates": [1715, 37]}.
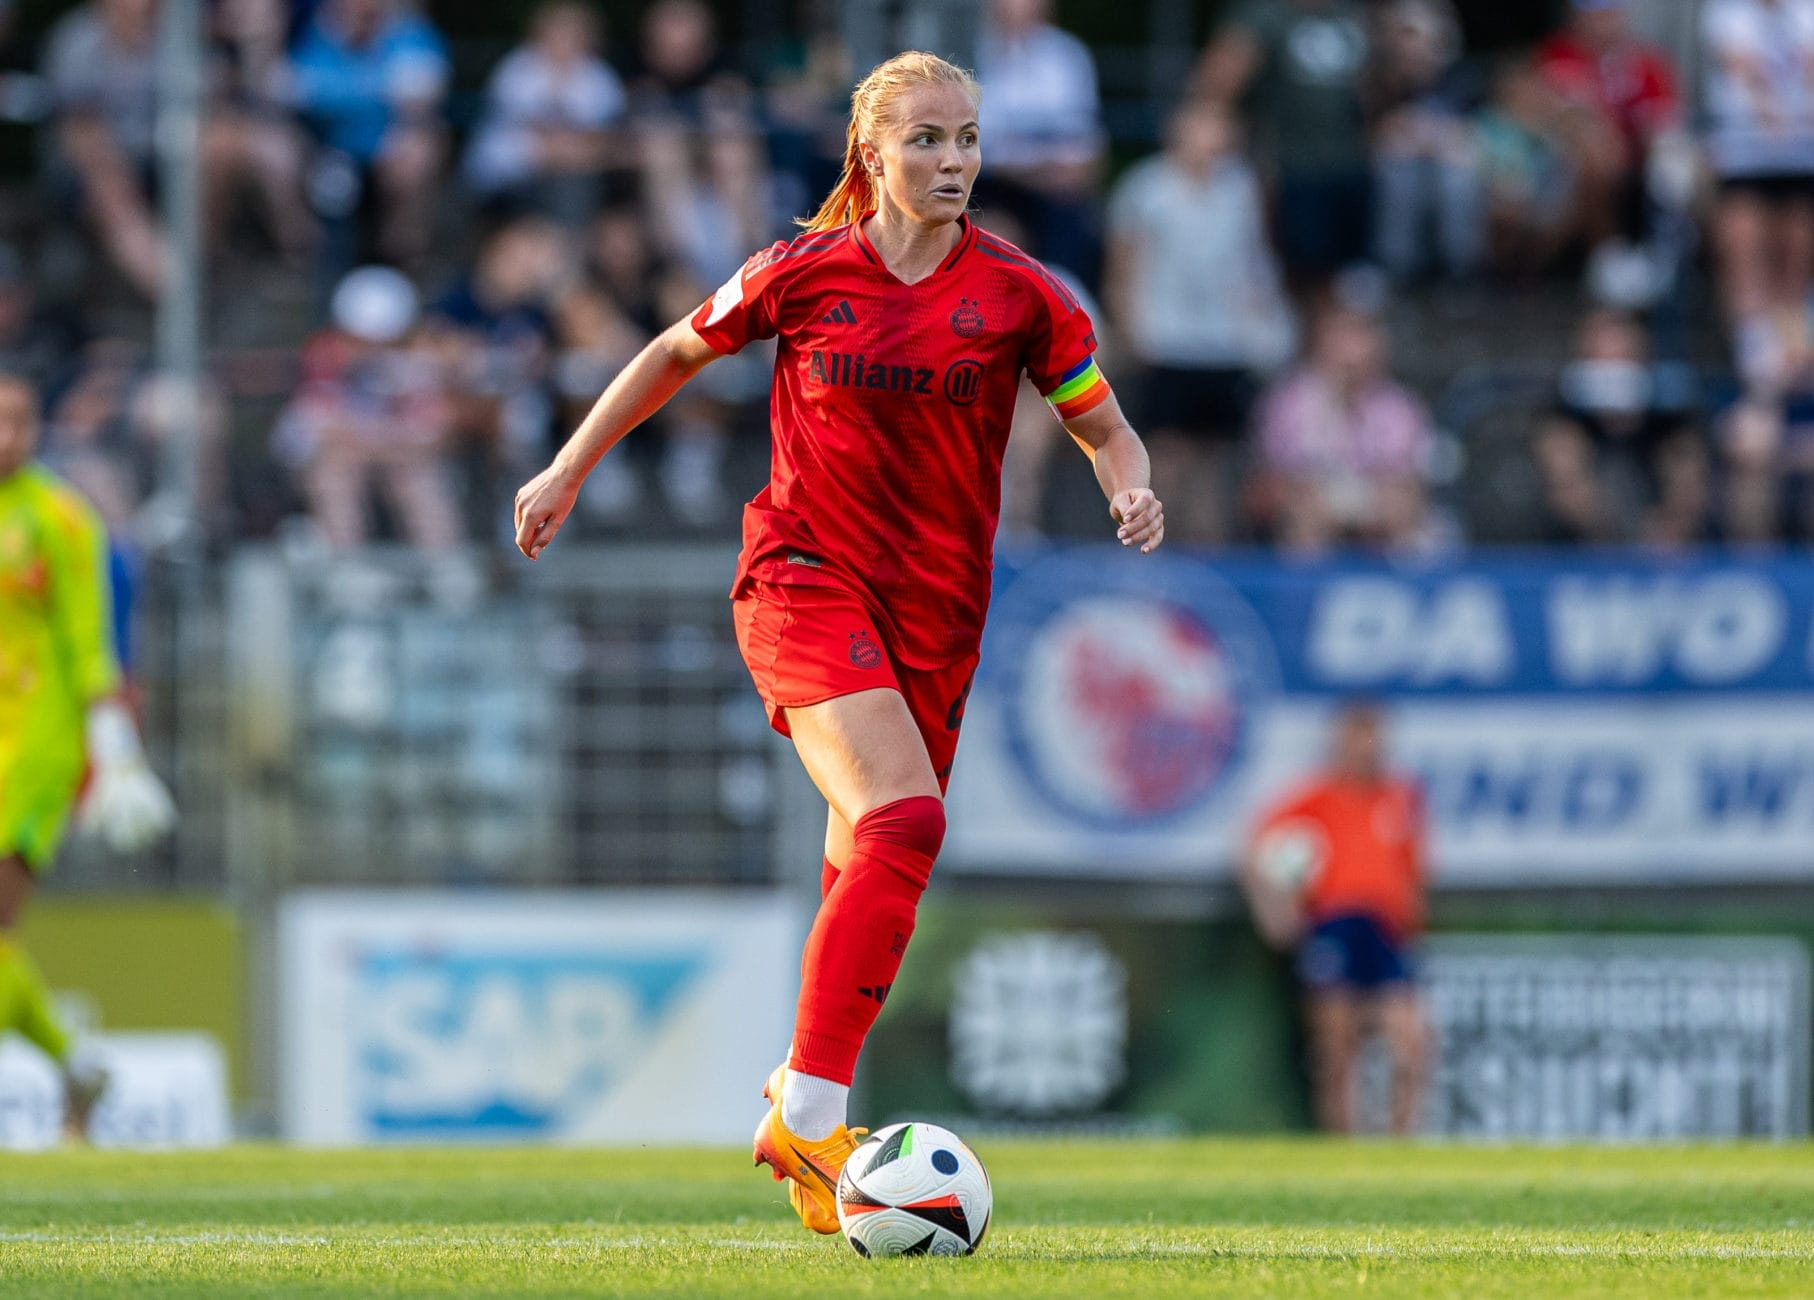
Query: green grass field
{"type": "Point", "coordinates": [1137, 1219]}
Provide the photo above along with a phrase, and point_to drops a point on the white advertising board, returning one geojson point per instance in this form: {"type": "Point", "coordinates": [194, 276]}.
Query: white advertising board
{"type": "Point", "coordinates": [576, 1017]}
{"type": "Point", "coordinates": [165, 1090]}
{"type": "Point", "coordinates": [1617, 1038]}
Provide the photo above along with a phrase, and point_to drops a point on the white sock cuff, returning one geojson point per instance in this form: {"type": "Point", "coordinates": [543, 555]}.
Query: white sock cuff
{"type": "Point", "coordinates": [811, 1107]}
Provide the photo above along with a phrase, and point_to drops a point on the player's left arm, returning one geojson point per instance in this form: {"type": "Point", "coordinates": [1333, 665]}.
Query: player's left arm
{"type": "Point", "coordinates": [125, 802]}
{"type": "Point", "coordinates": [1123, 470]}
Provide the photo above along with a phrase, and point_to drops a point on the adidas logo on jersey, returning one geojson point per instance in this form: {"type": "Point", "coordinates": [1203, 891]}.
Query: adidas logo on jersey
{"type": "Point", "coordinates": [839, 315]}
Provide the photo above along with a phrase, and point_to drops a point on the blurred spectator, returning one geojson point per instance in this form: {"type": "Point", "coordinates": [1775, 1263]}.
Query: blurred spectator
{"type": "Point", "coordinates": [1196, 294]}
{"type": "Point", "coordinates": [1427, 153]}
{"type": "Point", "coordinates": [705, 179]}
{"type": "Point", "coordinates": [90, 437]}
{"type": "Point", "coordinates": [632, 292]}
{"type": "Point", "coordinates": [1042, 131]}
{"type": "Point", "coordinates": [1528, 178]}
{"type": "Point", "coordinates": [1302, 63]}
{"type": "Point", "coordinates": [100, 62]}
{"type": "Point", "coordinates": [495, 340]}
{"type": "Point", "coordinates": [1766, 440]}
{"type": "Point", "coordinates": [1335, 874]}
{"type": "Point", "coordinates": [37, 345]}
{"type": "Point", "coordinates": [1343, 448]}
{"type": "Point", "coordinates": [371, 410]}
{"type": "Point", "coordinates": [108, 432]}
{"type": "Point", "coordinates": [1767, 473]}
{"type": "Point", "coordinates": [1621, 93]}
{"type": "Point", "coordinates": [1758, 60]}
{"type": "Point", "coordinates": [1621, 458]}
{"type": "Point", "coordinates": [253, 136]}
{"type": "Point", "coordinates": [600, 325]}
{"type": "Point", "coordinates": [369, 76]}
{"type": "Point", "coordinates": [546, 138]}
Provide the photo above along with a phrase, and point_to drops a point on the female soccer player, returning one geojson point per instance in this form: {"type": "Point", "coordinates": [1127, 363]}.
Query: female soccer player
{"type": "Point", "coordinates": [904, 331]}
{"type": "Point", "coordinates": [58, 713]}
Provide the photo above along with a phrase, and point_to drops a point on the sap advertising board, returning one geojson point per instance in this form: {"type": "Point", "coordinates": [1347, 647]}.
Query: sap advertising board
{"type": "Point", "coordinates": [597, 1017]}
{"type": "Point", "coordinates": [1614, 718]}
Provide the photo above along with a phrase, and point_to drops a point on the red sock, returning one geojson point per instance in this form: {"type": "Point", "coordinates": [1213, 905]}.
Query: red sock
{"type": "Point", "coordinates": [861, 932]}
{"type": "Point", "coordinates": [828, 876]}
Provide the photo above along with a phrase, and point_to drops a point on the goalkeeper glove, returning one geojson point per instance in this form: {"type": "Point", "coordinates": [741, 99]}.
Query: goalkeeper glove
{"type": "Point", "coordinates": [127, 806]}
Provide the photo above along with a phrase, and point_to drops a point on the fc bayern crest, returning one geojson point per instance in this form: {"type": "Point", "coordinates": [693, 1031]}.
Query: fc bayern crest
{"type": "Point", "coordinates": [967, 321]}
{"type": "Point", "coordinates": [1128, 694]}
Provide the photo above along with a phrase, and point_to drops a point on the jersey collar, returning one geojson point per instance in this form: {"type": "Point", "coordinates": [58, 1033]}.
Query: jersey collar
{"type": "Point", "coordinates": [860, 238]}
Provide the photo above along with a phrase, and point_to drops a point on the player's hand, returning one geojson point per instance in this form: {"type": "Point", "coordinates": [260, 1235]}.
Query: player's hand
{"type": "Point", "coordinates": [1141, 519]}
{"type": "Point", "coordinates": [542, 506]}
{"type": "Point", "coordinates": [126, 805]}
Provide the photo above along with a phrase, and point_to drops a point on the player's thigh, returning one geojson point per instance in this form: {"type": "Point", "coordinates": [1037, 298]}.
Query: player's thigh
{"type": "Point", "coordinates": [40, 777]}
{"type": "Point", "coordinates": [840, 838]}
{"type": "Point", "coordinates": [1333, 1016]}
{"type": "Point", "coordinates": [1398, 1014]}
{"type": "Point", "coordinates": [862, 751]}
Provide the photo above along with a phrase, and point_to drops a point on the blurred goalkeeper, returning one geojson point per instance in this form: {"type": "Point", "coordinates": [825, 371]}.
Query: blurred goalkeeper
{"type": "Point", "coordinates": [1335, 872]}
{"type": "Point", "coordinates": [60, 716]}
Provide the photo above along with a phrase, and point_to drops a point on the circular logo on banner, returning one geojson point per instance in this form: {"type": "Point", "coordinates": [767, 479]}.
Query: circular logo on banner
{"type": "Point", "coordinates": [964, 381]}
{"type": "Point", "coordinates": [1128, 697]}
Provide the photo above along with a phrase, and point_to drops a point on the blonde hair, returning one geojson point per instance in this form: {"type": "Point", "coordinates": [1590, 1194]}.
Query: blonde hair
{"type": "Point", "coordinates": [870, 105]}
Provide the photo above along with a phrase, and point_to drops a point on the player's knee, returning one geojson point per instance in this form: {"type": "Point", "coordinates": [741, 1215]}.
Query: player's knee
{"type": "Point", "coordinates": [916, 824]}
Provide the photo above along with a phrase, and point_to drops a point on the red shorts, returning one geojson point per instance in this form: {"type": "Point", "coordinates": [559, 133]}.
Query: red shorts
{"type": "Point", "coordinates": [808, 644]}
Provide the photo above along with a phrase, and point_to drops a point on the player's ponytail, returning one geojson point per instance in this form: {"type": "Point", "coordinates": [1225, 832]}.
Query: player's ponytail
{"type": "Point", "coordinates": [871, 105]}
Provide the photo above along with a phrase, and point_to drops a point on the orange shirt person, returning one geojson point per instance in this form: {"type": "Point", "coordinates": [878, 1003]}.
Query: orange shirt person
{"type": "Point", "coordinates": [1336, 872]}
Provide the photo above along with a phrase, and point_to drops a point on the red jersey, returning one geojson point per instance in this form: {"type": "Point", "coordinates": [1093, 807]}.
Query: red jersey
{"type": "Point", "coordinates": [1634, 86]}
{"type": "Point", "coordinates": [890, 411]}
{"type": "Point", "coordinates": [1372, 861]}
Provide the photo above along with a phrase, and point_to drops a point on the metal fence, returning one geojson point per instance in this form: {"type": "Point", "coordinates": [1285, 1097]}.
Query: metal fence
{"type": "Point", "coordinates": [389, 718]}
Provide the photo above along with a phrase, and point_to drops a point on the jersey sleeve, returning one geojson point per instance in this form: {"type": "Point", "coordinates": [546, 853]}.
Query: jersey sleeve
{"type": "Point", "coordinates": [1293, 806]}
{"type": "Point", "coordinates": [1060, 356]}
{"type": "Point", "coordinates": [745, 307]}
{"type": "Point", "coordinates": [81, 596]}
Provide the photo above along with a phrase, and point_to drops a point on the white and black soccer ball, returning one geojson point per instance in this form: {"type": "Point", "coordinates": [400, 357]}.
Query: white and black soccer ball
{"type": "Point", "coordinates": [914, 1189]}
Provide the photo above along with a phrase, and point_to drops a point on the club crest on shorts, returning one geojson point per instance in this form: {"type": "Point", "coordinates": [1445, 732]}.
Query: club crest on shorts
{"type": "Point", "coordinates": [864, 653]}
{"type": "Point", "coordinates": [967, 321]}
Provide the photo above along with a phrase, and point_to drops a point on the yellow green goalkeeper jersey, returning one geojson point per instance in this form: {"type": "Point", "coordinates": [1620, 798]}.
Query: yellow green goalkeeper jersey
{"type": "Point", "coordinates": [56, 654]}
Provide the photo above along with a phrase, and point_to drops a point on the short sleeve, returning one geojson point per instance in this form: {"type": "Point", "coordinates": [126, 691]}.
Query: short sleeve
{"type": "Point", "coordinates": [744, 308]}
{"type": "Point", "coordinates": [1060, 355]}
{"type": "Point", "coordinates": [1294, 806]}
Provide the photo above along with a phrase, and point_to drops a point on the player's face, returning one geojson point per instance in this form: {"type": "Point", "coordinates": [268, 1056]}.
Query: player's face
{"type": "Point", "coordinates": [1357, 745]}
{"type": "Point", "coordinates": [930, 153]}
{"type": "Point", "coordinates": [18, 427]}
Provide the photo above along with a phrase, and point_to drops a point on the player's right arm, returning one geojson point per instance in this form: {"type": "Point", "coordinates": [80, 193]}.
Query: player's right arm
{"type": "Point", "coordinates": [1276, 903]}
{"type": "Point", "coordinates": [641, 388]}
{"type": "Point", "coordinates": [744, 308]}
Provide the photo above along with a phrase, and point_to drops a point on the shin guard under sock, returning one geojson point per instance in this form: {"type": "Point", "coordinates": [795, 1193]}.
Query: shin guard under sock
{"type": "Point", "coordinates": [861, 933]}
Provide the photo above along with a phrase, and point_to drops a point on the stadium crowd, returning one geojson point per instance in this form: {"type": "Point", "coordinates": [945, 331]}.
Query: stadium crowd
{"type": "Point", "coordinates": [1339, 189]}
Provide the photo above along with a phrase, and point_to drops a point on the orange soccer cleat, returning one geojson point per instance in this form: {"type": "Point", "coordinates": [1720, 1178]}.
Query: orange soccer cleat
{"type": "Point", "coordinates": [811, 1168]}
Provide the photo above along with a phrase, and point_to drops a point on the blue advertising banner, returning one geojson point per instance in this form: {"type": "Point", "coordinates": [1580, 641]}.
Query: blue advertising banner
{"type": "Point", "coordinates": [1604, 718]}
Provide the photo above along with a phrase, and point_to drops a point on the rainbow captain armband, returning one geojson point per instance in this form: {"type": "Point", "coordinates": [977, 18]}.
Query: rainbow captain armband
{"type": "Point", "coordinates": [1079, 388]}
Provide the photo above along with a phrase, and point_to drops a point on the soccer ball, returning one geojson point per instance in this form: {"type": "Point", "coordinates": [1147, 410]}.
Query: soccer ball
{"type": "Point", "coordinates": [1292, 855]}
{"type": "Point", "coordinates": [914, 1189]}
